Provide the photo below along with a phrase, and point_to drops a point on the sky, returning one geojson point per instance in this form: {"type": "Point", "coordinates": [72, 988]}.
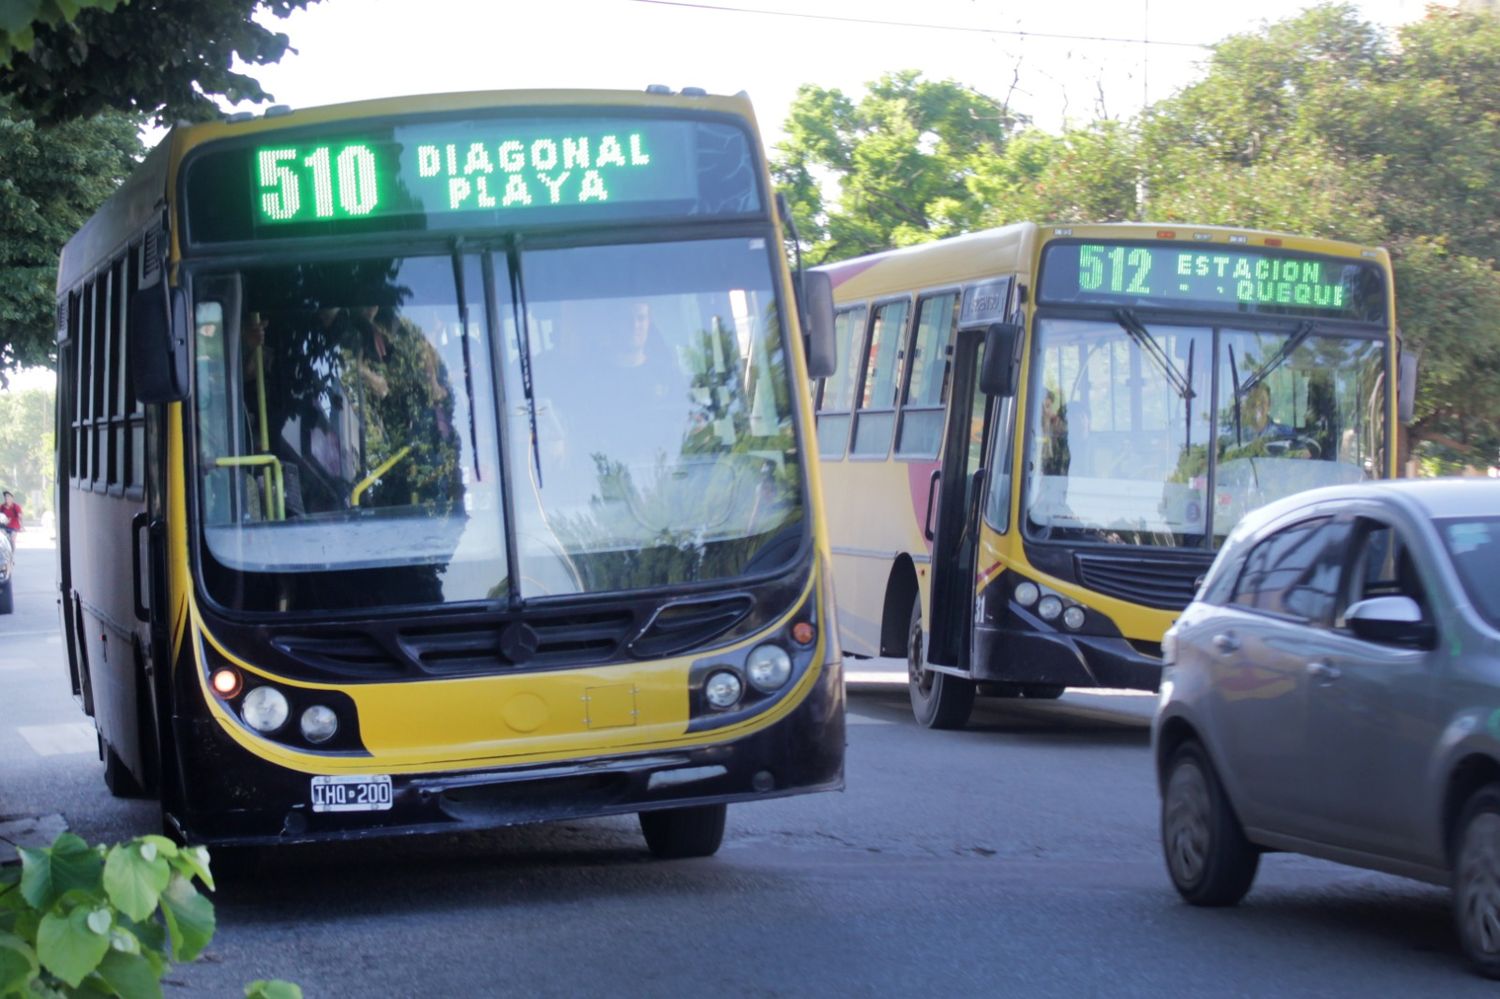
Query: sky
{"type": "Point", "coordinates": [356, 49]}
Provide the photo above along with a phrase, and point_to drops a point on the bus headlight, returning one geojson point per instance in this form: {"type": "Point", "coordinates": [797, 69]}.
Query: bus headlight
{"type": "Point", "coordinates": [319, 724]}
{"type": "Point", "coordinates": [723, 689]}
{"type": "Point", "coordinates": [265, 709]}
{"type": "Point", "coordinates": [768, 668]}
{"type": "Point", "coordinates": [1027, 593]}
{"type": "Point", "coordinates": [1049, 607]}
{"type": "Point", "coordinates": [1073, 617]}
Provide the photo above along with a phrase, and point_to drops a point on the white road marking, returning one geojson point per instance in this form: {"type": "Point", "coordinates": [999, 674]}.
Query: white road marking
{"type": "Point", "coordinates": [59, 740]}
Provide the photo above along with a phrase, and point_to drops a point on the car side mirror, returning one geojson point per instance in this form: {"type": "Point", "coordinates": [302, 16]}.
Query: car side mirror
{"type": "Point", "coordinates": [1394, 620]}
{"type": "Point", "coordinates": [817, 320]}
{"type": "Point", "coordinates": [157, 343]}
{"type": "Point", "coordinates": [1002, 359]}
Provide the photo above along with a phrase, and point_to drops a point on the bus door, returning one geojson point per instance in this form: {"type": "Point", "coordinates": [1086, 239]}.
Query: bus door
{"type": "Point", "coordinates": [954, 530]}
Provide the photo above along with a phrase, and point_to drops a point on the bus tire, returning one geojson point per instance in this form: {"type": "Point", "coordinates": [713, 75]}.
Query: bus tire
{"type": "Point", "coordinates": [1210, 861]}
{"type": "Point", "coordinates": [678, 833]}
{"type": "Point", "coordinates": [1043, 691]}
{"type": "Point", "coordinates": [7, 601]}
{"type": "Point", "coordinates": [939, 700]}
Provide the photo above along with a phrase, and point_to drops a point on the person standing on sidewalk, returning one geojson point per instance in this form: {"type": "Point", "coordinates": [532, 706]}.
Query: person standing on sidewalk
{"type": "Point", "coordinates": [10, 517]}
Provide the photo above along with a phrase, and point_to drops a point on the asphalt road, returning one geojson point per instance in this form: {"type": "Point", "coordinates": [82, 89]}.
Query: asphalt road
{"type": "Point", "coordinates": [1018, 857]}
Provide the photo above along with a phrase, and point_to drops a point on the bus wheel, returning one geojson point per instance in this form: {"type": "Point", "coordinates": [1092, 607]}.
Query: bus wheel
{"type": "Point", "coordinates": [117, 776]}
{"type": "Point", "coordinates": [1043, 691]}
{"type": "Point", "coordinates": [939, 700]}
{"type": "Point", "coordinates": [675, 833]}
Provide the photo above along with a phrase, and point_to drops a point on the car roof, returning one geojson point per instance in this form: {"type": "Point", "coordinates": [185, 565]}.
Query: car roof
{"type": "Point", "coordinates": [1432, 498]}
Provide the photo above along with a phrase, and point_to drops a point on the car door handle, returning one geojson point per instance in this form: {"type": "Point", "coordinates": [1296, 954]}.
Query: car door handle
{"type": "Point", "coordinates": [1226, 642]}
{"type": "Point", "coordinates": [1323, 672]}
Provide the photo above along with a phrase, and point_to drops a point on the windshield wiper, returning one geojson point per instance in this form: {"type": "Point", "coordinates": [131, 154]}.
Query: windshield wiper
{"type": "Point", "coordinates": [463, 336]}
{"type": "Point", "coordinates": [523, 341]}
{"type": "Point", "coordinates": [1299, 335]}
{"type": "Point", "coordinates": [1143, 339]}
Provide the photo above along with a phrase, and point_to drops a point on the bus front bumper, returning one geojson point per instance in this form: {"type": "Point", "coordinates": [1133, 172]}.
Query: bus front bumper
{"type": "Point", "coordinates": [244, 801]}
{"type": "Point", "coordinates": [1023, 655]}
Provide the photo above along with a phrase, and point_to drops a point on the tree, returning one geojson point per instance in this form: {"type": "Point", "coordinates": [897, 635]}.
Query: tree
{"type": "Point", "coordinates": [902, 158]}
{"type": "Point", "coordinates": [52, 178]}
{"type": "Point", "coordinates": [26, 444]}
{"type": "Point", "coordinates": [167, 59]}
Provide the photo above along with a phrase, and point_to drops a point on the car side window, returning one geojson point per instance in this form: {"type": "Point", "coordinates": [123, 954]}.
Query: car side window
{"type": "Point", "coordinates": [1382, 567]}
{"type": "Point", "coordinates": [1295, 572]}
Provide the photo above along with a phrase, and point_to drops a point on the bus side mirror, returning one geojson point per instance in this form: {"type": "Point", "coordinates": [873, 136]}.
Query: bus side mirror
{"type": "Point", "coordinates": [158, 343]}
{"type": "Point", "coordinates": [1002, 359]}
{"type": "Point", "coordinates": [817, 324]}
{"type": "Point", "coordinates": [1406, 387]}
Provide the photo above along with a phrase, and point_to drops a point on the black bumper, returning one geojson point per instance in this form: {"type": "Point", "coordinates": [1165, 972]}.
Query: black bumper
{"type": "Point", "coordinates": [236, 798]}
{"type": "Point", "coordinates": [1024, 655]}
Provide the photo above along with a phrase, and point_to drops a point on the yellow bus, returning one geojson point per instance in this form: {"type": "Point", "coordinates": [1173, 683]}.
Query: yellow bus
{"type": "Point", "coordinates": [441, 462]}
{"type": "Point", "coordinates": [1037, 437]}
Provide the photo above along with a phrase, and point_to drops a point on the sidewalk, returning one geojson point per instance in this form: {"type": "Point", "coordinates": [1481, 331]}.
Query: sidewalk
{"type": "Point", "coordinates": [35, 537]}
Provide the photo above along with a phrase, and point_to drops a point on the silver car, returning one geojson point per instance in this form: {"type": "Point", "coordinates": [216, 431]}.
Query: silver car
{"type": "Point", "coordinates": [1334, 690]}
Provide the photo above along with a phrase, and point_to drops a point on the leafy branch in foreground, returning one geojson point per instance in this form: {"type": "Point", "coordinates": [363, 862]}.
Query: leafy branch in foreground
{"type": "Point", "coordinates": [80, 920]}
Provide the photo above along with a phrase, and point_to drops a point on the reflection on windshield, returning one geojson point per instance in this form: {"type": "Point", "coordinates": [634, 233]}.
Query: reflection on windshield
{"type": "Point", "coordinates": [664, 449]}
{"type": "Point", "coordinates": [1121, 426]}
{"type": "Point", "coordinates": [347, 431]}
{"type": "Point", "coordinates": [334, 434]}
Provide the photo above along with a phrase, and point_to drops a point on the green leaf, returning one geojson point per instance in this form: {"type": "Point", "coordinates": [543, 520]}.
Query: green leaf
{"type": "Point", "coordinates": [161, 845]}
{"type": "Point", "coordinates": [190, 918]}
{"type": "Point", "coordinates": [69, 864]}
{"type": "Point", "coordinates": [130, 975]}
{"type": "Point", "coordinates": [99, 921]}
{"type": "Point", "coordinates": [273, 988]}
{"type": "Point", "coordinates": [134, 880]}
{"type": "Point", "coordinates": [18, 964]}
{"type": "Point", "coordinates": [68, 948]}
{"type": "Point", "coordinates": [192, 861]}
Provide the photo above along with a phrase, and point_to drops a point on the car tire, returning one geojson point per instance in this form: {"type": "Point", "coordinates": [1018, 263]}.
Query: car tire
{"type": "Point", "coordinates": [1210, 861]}
{"type": "Point", "coordinates": [7, 601]}
{"type": "Point", "coordinates": [1476, 881]}
{"type": "Point", "coordinates": [677, 833]}
{"type": "Point", "coordinates": [939, 700]}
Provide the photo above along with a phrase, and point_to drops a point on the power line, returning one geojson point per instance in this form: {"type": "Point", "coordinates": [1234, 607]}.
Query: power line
{"type": "Point", "coordinates": [917, 24]}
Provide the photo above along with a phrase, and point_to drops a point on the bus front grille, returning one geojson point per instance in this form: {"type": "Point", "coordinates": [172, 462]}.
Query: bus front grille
{"type": "Point", "coordinates": [1155, 580]}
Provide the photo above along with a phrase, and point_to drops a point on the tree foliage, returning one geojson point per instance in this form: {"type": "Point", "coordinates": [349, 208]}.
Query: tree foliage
{"type": "Point", "coordinates": [26, 446]}
{"type": "Point", "coordinates": [1321, 124]}
{"type": "Point", "coordinates": [161, 58]}
{"type": "Point", "coordinates": [52, 178]}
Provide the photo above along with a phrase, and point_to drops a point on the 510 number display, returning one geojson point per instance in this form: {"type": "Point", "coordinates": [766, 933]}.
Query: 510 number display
{"type": "Point", "coordinates": [298, 185]}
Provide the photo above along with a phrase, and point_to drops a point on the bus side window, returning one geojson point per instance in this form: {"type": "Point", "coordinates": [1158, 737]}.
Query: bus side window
{"type": "Point", "coordinates": [926, 396]}
{"type": "Point", "coordinates": [836, 393]}
{"type": "Point", "coordinates": [875, 422]}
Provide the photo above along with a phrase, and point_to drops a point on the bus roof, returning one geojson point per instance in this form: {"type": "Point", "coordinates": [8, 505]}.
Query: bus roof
{"type": "Point", "coordinates": [149, 188]}
{"type": "Point", "coordinates": [1013, 248]}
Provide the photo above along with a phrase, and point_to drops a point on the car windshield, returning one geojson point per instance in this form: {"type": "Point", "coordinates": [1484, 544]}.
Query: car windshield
{"type": "Point", "coordinates": [1474, 545]}
{"type": "Point", "coordinates": [348, 418]}
{"type": "Point", "coordinates": [1123, 421]}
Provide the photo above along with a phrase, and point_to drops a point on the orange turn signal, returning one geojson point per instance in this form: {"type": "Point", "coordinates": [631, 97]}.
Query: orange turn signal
{"type": "Point", "coordinates": [226, 682]}
{"type": "Point", "coordinates": [803, 633]}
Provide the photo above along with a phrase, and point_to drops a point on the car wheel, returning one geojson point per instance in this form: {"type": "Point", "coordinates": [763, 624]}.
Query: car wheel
{"type": "Point", "coordinates": [675, 833]}
{"type": "Point", "coordinates": [1208, 857]}
{"type": "Point", "coordinates": [939, 700]}
{"type": "Point", "coordinates": [7, 602]}
{"type": "Point", "coordinates": [1476, 881]}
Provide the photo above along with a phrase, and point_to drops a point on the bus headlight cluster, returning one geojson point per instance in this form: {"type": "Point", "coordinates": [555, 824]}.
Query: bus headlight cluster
{"type": "Point", "coordinates": [265, 709]}
{"type": "Point", "coordinates": [1050, 606]}
{"type": "Point", "coordinates": [768, 668]}
{"type": "Point", "coordinates": [319, 724]}
{"type": "Point", "coordinates": [723, 689]}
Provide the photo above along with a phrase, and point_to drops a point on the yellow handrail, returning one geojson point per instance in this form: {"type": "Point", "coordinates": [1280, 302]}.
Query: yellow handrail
{"type": "Point", "coordinates": [374, 476]}
{"type": "Point", "coordinates": [275, 484]}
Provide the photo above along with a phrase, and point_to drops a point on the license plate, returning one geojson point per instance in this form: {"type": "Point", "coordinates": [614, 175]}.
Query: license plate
{"type": "Point", "coordinates": [362, 793]}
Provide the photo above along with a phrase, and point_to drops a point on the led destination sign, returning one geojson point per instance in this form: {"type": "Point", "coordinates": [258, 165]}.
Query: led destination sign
{"type": "Point", "coordinates": [470, 173]}
{"type": "Point", "coordinates": [1220, 279]}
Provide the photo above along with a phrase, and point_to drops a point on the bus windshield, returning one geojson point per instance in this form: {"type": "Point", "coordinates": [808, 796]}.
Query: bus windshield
{"type": "Point", "coordinates": [1123, 422]}
{"type": "Point", "coordinates": [348, 419]}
